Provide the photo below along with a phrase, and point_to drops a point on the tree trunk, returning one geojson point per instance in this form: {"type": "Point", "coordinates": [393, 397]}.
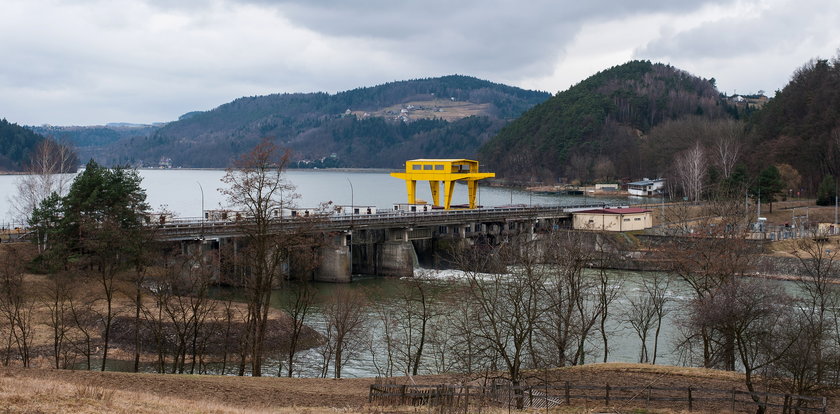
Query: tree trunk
{"type": "Point", "coordinates": [107, 334]}
{"type": "Point", "coordinates": [137, 329]}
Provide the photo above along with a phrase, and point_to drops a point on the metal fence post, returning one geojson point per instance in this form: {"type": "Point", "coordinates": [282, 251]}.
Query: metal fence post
{"type": "Point", "coordinates": [733, 400]}
{"type": "Point", "coordinates": [690, 400]}
{"type": "Point", "coordinates": [466, 399]}
{"type": "Point", "coordinates": [607, 397]}
{"type": "Point", "coordinates": [567, 393]}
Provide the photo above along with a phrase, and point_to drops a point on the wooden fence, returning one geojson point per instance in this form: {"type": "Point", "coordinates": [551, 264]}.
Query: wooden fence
{"type": "Point", "coordinates": [466, 398]}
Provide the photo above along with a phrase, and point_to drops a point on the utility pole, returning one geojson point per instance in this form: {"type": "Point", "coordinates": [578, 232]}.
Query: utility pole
{"type": "Point", "coordinates": [662, 208]}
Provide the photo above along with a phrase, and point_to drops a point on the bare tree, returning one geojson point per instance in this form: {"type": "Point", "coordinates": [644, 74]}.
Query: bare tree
{"type": "Point", "coordinates": [187, 307]}
{"type": "Point", "coordinates": [147, 249]}
{"type": "Point", "coordinates": [154, 317]}
{"type": "Point", "coordinates": [790, 177]}
{"type": "Point", "coordinates": [727, 145]}
{"type": "Point", "coordinates": [608, 288]}
{"type": "Point", "coordinates": [229, 316]}
{"type": "Point", "coordinates": [106, 260]}
{"type": "Point", "coordinates": [85, 322]}
{"type": "Point", "coordinates": [57, 300]}
{"type": "Point", "coordinates": [257, 185]}
{"type": "Point", "coordinates": [388, 323]}
{"type": "Point", "coordinates": [717, 252]}
{"type": "Point", "coordinates": [297, 305]}
{"type": "Point", "coordinates": [641, 315]}
{"type": "Point", "coordinates": [646, 311]}
{"type": "Point", "coordinates": [813, 355]}
{"type": "Point", "coordinates": [604, 169]}
{"type": "Point", "coordinates": [16, 303]}
{"type": "Point", "coordinates": [415, 311]}
{"type": "Point", "coordinates": [657, 289]}
{"type": "Point", "coordinates": [441, 345]}
{"type": "Point", "coordinates": [755, 315]}
{"type": "Point", "coordinates": [508, 306]}
{"type": "Point", "coordinates": [469, 352]}
{"type": "Point", "coordinates": [46, 174]}
{"type": "Point", "coordinates": [346, 317]}
{"type": "Point", "coordinates": [691, 167]}
{"type": "Point", "coordinates": [573, 302]}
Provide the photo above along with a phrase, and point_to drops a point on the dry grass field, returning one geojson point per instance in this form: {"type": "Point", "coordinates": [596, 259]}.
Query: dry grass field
{"type": "Point", "coordinates": [59, 391]}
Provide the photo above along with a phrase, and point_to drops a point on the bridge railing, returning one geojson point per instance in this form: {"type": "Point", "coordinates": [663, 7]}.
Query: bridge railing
{"type": "Point", "coordinates": [390, 214]}
{"type": "Point", "coordinates": [196, 226]}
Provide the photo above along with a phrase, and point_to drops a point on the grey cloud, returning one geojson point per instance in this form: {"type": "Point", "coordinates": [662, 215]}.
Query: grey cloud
{"type": "Point", "coordinates": [782, 29]}
{"type": "Point", "coordinates": [511, 39]}
{"type": "Point", "coordinates": [752, 52]}
{"type": "Point", "coordinates": [152, 60]}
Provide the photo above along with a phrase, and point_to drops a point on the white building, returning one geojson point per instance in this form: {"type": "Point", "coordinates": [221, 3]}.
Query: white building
{"type": "Point", "coordinates": [646, 187]}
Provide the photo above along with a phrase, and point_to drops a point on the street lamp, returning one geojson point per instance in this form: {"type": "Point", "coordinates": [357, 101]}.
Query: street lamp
{"type": "Point", "coordinates": [202, 209]}
{"type": "Point", "coordinates": [352, 216]}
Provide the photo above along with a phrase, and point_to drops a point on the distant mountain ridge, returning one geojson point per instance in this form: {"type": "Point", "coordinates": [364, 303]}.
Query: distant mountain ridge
{"type": "Point", "coordinates": [95, 141]}
{"type": "Point", "coordinates": [378, 126]}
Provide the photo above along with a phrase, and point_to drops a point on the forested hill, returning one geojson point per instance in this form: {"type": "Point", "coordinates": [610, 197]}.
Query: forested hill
{"type": "Point", "coordinates": [378, 126]}
{"type": "Point", "coordinates": [597, 128]}
{"type": "Point", "coordinates": [16, 145]}
{"type": "Point", "coordinates": [801, 124]}
{"type": "Point", "coordinates": [94, 142]}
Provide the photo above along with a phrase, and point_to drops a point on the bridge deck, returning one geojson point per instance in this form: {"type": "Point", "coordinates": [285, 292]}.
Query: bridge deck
{"type": "Point", "coordinates": [187, 229]}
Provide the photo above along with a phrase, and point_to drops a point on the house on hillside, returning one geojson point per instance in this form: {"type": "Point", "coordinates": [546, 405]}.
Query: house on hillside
{"type": "Point", "coordinates": [612, 219]}
{"type": "Point", "coordinates": [754, 101]}
{"type": "Point", "coordinates": [646, 187]}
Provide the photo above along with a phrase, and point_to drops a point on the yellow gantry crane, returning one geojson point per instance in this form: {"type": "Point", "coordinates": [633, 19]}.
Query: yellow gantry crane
{"type": "Point", "coordinates": [441, 171]}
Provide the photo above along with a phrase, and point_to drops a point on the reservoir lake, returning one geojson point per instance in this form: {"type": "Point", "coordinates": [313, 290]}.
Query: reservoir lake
{"type": "Point", "coordinates": [181, 191]}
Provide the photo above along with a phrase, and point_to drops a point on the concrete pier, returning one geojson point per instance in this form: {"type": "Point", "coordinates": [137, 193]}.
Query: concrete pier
{"type": "Point", "coordinates": [334, 264]}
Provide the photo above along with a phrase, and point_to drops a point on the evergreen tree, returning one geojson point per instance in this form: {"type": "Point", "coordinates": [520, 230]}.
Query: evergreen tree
{"type": "Point", "coordinates": [768, 186]}
{"type": "Point", "coordinates": [93, 228]}
{"type": "Point", "coordinates": [736, 184]}
{"type": "Point", "coordinates": [826, 191]}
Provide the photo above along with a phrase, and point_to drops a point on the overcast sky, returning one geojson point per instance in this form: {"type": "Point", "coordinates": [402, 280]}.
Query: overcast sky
{"type": "Point", "coordinates": [85, 62]}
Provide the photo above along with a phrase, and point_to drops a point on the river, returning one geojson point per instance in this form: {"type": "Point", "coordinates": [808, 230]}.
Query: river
{"type": "Point", "coordinates": [183, 192]}
{"type": "Point", "coordinates": [623, 342]}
